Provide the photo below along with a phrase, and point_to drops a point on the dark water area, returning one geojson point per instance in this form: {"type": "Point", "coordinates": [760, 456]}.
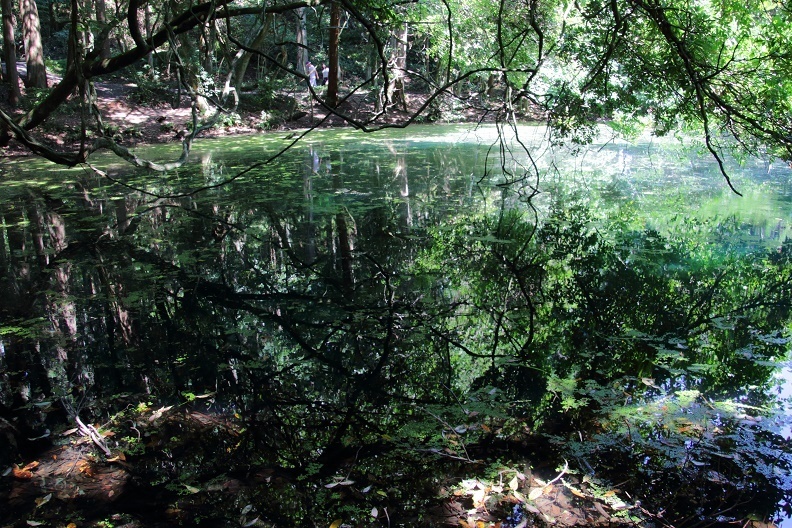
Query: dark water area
{"type": "Point", "coordinates": [421, 328]}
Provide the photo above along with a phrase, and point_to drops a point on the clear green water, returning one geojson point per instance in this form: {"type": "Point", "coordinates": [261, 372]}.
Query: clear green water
{"type": "Point", "coordinates": [378, 294]}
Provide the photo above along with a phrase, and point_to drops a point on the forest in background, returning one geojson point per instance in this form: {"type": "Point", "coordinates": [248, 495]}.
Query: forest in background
{"type": "Point", "coordinates": [718, 68]}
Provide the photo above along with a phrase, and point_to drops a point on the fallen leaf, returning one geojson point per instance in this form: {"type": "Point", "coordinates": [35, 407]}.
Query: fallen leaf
{"type": "Point", "coordinates": [85, 468]}
{"type": "Point", "coordinates": [514, 484]}
{"type": "Point", "coordinates": [470, 484]}
{"type": "Point", "coordinates": [336, 523]}
{"type": "Point", "coordinates": [158, 413]}
{"type": "Point", "coordinates": [374, 512]}
{"type": "Point", "coordinates": [601, 510]}
{"type": "Point", "coordinates": [34, 523]}
{"type": "Point", "coordinates": [577, 492]}
{"type": "Point", "coordinates": [43, 500]}
{"type": "Point", "coordinates": [71, 525]}
{"type": "Point", "coordinates": [22, 473]}
{"type": "Point", "coordinates": [535, 493]}
{"type": "Point", "coordinates": [478, 497]}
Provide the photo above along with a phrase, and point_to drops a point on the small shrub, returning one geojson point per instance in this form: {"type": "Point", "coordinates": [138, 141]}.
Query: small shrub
{"type": "Point", "coordinates": [33, 96]}
{"type": "Point", "coordinates": [268, 120]}
{"type": "Point", "coordinates": [230, 119]}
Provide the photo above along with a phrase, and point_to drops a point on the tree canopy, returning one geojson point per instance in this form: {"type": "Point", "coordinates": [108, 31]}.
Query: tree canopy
{"type": "Point", "coordinates": [720, 68]}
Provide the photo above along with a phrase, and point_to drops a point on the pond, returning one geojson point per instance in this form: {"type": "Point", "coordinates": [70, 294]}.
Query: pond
{"type": "Point", "coordinates": [420, 327]}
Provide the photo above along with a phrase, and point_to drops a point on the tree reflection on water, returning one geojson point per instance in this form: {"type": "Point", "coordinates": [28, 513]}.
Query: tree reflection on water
{"type": "Point", "coordinates": [357, 337]}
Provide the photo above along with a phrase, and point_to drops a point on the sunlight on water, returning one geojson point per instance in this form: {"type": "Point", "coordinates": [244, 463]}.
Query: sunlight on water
{"type": "Point", "coordinates": [785, 396]}
{"type": "Point", "coordinates": [634, 262]}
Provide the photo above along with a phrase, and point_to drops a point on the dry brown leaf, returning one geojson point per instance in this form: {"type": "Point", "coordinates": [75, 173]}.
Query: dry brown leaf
{"type": "Point", "coordinates": [577, 492]}
{"type": "Point", "coordinates": [601, 510]}
{"type": "Point", "coordinates": [85, 468]}
{"type": "Point", "coordinates": [22, 473]}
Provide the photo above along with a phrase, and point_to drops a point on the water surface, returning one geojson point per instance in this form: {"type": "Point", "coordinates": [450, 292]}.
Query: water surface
{"type": "Point", "coordinates": [380, 317]}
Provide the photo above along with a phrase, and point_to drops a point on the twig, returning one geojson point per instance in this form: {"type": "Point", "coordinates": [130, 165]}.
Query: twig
{"type": "Point", "coordinates": [91, 432]}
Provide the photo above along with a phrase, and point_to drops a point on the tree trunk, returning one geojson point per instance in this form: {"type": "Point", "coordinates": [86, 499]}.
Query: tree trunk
{"type": "Point", "coordinates": [332, 55]}
{"type": "Point", "coordinates": [396, 89]}
{"type": "Point", "coordinates": [31, 32]}
{"type": "Point", "coordinates": [9, 53]}
{"type": "Point", "coordinates": [101, 18]}
{"type": "Point", "coordinates": [244, 60]}
{"type": "Point", "coordinates": [302, 40]}
{"type": "Point", "coordinates": [147, 18]}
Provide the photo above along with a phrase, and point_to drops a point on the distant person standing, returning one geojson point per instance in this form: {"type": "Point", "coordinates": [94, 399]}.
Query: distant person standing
{"type": "Point", "coordinates": [310, 69]}
{"type": "Point", "coordinates": [325, 73]}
